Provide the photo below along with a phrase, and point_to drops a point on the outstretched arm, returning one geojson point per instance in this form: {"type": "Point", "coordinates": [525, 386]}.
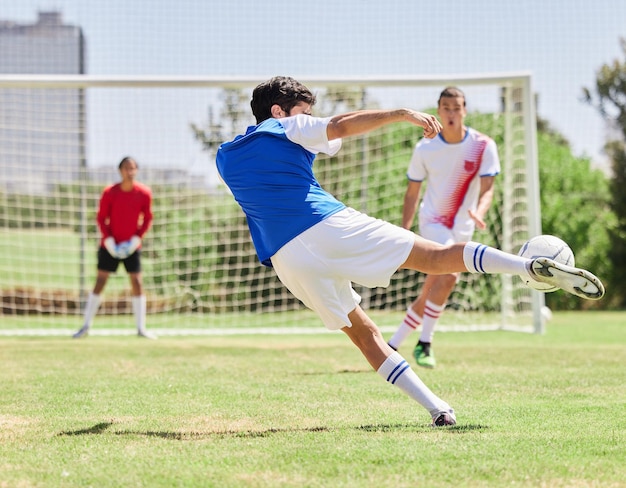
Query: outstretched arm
{"type": "Point", "coordinates": [362, 121]}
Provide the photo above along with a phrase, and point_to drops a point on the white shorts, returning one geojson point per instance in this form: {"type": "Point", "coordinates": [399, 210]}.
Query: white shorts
{"type": "Point", "coordinates": [437, 232]}
{"type": "Point", "coordinates": [320, 265]}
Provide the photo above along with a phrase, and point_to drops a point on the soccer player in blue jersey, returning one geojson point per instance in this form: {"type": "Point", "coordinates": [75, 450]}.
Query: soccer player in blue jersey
{"type": "Point", "coordinates": [318, 246]}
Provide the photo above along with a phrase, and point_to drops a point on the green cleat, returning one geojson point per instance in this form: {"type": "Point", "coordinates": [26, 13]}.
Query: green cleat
{"type": "Point", "coordinates": [424, 355]}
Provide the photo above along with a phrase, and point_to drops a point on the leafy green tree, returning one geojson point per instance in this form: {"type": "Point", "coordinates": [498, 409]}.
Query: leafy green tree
{"type": "Point", "coordinates": [609, 98]}
{"type": "Point", "coordinates": [575, 205]}
{"type": "Point", "coordinates": [232, 113]}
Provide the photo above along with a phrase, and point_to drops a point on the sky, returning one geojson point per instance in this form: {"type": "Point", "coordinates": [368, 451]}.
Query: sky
{"type": "Point", "coordinates": [562, 43]}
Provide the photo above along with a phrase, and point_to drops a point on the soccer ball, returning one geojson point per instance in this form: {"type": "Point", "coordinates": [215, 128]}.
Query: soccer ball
{"type": "Point", "coordinates": [548, 246]}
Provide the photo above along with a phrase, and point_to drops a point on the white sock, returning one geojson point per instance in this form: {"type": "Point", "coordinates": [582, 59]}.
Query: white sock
{"type": "Point", "coordinates": [139, 311]}
{"type": "Point", "coordinates": [91, 308]}
{"type": "Point", "coordinates": [398, 372]}
{"type": "Point", "coordinates": [479, 258]}
{"type": "Point", "coordinates": [410, 323]}
{"type": "Point", "coordinates": [432, 312]}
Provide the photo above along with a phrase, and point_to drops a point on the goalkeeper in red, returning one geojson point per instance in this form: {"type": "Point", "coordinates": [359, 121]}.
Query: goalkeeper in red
{"type": "Point", "coordinates": [318, 246]}
{"type": "Point", "coordinates": [124, 217]}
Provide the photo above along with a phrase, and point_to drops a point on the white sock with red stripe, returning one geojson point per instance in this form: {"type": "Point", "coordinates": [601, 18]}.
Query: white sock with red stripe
{"type": "Point", "coordinates": [398, 372]}
{"type": "Point", "coordinates": [432, 312]}
{"type": "Point", "coordinates": [409, 325]}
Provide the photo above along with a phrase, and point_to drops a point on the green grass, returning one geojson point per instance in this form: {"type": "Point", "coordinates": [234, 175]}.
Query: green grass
{"type": "Point", "coordinates": [49, 259]}
{"type": "Point", "coordinates": [307, 411]}
{"type": "Point", "coordinates": [304, 318]}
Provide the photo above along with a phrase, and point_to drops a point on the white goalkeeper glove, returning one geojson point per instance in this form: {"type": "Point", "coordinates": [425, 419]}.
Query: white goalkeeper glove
{"type": "Point", "coordinates": [126, 248]}
{"type": "Point", "coordinates": [109, 245]}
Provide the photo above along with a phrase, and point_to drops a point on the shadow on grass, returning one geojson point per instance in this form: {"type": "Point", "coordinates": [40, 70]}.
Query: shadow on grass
{"type": "Point", "coordinates": [102, 427]}
{"type": "Point", "coordinates": [96, 429]}
{"type": "Point", "coordinates": [458, 429]}
{"type": "Point", "coordinates": [341, 371]}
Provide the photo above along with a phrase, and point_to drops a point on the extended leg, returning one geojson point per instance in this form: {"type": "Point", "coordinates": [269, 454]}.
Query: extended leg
{"type": "Point", "coordinates": [432, 258]}
{"type": "Point", "coordinates": [393, 367]}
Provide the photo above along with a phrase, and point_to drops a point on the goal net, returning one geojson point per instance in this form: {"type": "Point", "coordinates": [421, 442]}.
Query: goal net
{"type": "Point", "coordinates": [61, 138]}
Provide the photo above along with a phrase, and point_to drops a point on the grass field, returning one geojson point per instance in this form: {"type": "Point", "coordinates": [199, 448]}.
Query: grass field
{"type": "Point", "coordinates": [306, 411]}
{"type": "Point", "coordinates": [49, 259]}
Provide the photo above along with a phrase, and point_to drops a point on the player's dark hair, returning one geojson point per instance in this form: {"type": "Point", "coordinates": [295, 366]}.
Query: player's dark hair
{"type": "Point", "coordinates": [451, 92]}
{"type": "Point", "coordinates": [127, 158]}
{"type": "Point", "coordinates": [282, 91]}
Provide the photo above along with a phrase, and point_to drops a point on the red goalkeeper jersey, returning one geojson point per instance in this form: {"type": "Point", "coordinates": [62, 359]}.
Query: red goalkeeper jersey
{"type": "Point", "coordinates": [124, 214]}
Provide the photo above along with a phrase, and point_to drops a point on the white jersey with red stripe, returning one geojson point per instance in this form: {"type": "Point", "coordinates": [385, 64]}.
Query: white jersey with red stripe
{"type": "Point", "coordinates": [453, 172]}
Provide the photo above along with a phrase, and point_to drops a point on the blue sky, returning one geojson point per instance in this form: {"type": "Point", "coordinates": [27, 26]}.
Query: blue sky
{"type": "Point", "coordinates": [563, 43]}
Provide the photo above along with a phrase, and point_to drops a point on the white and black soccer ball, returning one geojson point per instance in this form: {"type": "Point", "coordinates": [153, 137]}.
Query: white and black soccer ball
{"type": "Point", "coordinates": [546, 246]}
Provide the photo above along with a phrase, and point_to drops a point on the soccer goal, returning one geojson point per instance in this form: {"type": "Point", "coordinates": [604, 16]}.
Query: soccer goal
{"type": "Point", "coordinates": [61, 138]}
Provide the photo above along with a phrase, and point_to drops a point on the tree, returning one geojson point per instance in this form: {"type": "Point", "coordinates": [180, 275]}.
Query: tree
{"type": "Point", "coordinates": [609, 98]}
{"type": "Point", "coordinates": [233, 112]}
{"type": "Point", "coordinates": [575, 205]}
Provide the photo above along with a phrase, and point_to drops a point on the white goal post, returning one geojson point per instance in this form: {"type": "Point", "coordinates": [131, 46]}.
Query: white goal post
{"type": "Point", "coordinates": [61, 138]}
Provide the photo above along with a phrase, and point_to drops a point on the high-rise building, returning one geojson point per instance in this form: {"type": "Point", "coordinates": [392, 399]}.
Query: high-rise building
{"type": "Point", "coordinates": [42, 131]}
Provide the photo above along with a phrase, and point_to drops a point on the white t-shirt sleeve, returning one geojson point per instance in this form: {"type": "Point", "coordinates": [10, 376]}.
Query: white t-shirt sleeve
{"type": "Point", "coordinates": [310, 133]}
{"type": "Point", "coordinates": [491, 162]}
{"type": "Point", "coordinates": [416, 170]}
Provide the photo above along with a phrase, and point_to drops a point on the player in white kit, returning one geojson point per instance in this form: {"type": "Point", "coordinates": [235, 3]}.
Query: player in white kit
{"type": "Point", "coordinates": [459, 167]}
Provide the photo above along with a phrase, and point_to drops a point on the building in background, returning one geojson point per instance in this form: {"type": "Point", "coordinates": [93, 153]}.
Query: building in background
{"type": "Point", "coordinates": [42, 131]}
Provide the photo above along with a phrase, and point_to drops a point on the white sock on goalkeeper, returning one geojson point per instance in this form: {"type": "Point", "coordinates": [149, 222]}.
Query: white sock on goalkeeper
{"type": "Point", "coordinates": [91, 308]}
{"type": "Point", "coordinates": [139, 311]}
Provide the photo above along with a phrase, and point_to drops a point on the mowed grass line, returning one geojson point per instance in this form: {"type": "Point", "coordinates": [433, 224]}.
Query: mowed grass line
{"type": "Point", "coordinates": [307, 411]}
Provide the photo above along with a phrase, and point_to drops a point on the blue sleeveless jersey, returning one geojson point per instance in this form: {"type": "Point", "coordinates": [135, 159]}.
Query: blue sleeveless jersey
{"type": "Point", "coordinates": [271, 177]}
